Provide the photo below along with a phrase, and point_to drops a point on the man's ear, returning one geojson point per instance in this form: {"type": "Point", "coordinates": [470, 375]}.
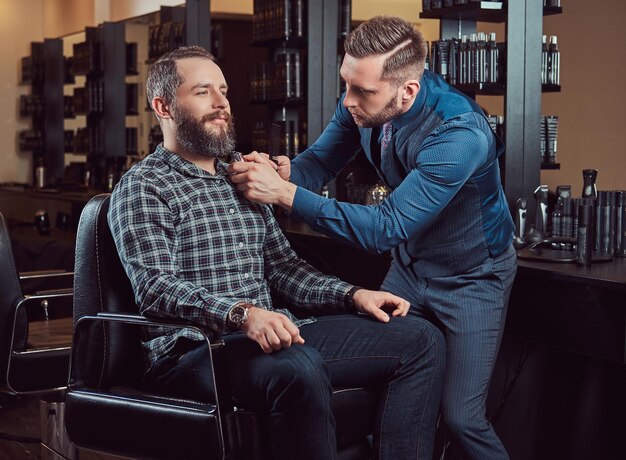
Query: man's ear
{"type": "Point", "coordinates": [410, 90]}
{"type": "Point", "coordinates": [161, 108]}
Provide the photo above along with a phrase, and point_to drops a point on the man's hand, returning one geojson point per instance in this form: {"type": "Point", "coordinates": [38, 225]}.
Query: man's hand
{"type": "Point", "coordinates": [258, 179]}
{"type": "Point", "coordinates": [284, 166]}
{"type": "Point", "coordinates": [280, 163]}
{"type": "Point", "coordinates": [271, 330]}
{"type": "Point", "coordinates": [374, 303]}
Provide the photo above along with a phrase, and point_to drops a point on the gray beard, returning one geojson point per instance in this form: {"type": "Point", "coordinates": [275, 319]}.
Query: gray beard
{"type": "Point", "coordinates": [195, 138]}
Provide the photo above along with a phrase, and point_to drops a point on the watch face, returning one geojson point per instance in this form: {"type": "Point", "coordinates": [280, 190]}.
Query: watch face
{"type": "Point", "coordinates": [237, 315]}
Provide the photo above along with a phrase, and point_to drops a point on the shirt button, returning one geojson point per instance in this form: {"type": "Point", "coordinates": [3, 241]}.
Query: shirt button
{"type": "Point", "coordinates": [241, 245]}
{"type": "Point", "coordinates": [247, 275]}
{"type": "Point", "coordinates": [232, 211]}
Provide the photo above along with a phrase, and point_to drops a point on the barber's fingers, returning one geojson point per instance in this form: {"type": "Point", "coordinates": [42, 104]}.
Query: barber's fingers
{"type": "Point", "coordinates": [284, 167]}
{"type": "Point", "coordinates": [258, 157]}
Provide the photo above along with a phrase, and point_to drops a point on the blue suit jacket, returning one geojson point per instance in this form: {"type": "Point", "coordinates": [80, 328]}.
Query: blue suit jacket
{"type": "Point", "coordinates": [447, 212]}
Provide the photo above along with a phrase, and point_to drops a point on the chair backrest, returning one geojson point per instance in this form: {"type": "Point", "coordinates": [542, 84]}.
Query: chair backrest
{"type": "Point", "coordinates": [10, 293]}
{"type": "Point", "coordinates": [108, 355]}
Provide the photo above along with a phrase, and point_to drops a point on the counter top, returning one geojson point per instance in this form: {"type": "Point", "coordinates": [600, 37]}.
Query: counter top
{"type": "Point", "coordinates": [611, 274]}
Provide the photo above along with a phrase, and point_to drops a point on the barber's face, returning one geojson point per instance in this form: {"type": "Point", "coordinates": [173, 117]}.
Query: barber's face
{"type": "Point", "coordinates": [201, 111]}
{"type": "Point", "coordinates": [371, 101]}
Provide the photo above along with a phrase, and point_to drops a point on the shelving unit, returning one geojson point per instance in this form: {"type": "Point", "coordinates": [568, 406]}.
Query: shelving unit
{"type": "Point", "coordinates": [302, 114]}
{"type": "Point", "coordinates": [522, 89]}
{"type": "Point", "coordinates": [105, 100]}
{"type": "Point", "coordinates": [44, 71]}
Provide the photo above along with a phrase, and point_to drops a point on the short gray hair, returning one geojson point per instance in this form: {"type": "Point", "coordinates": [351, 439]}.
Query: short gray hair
{"type": "Point", "coordinates": [163, 77]}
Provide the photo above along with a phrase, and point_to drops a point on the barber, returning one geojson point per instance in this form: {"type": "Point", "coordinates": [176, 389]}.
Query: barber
{"type": "Point", "coordinates": [446, 222]}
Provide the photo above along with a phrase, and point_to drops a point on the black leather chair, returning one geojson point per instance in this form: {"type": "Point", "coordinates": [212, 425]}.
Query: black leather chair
{"type": "Point", "coordinates": [25, 369]}
{"type": "Point", "coordinates": [110, 410]}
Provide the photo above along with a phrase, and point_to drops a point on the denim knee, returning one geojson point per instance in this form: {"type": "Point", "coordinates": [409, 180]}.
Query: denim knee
{"type": "Point", "coordinates": [300, 378]}
{"type": "Point", "coordinates": [425, 339]}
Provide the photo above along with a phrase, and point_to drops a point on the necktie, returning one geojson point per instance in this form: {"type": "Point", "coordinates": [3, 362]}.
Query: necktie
{"type": "Point", "coordinates": [386, 139]}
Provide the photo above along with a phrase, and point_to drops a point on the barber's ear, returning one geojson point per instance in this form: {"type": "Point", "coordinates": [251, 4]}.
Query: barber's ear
{"type": "Point", "coordinates": [161, 108]}
{"type": "Point", "coordinates": [410, 90]}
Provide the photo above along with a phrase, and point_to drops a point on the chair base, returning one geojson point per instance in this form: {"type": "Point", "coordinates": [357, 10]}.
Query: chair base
{"type": "Point", "coordinates": [55, 444]}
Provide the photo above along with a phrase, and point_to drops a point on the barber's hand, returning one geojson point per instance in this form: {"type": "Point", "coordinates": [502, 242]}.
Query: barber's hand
{"type": "Point", "coordinates": [271, 330]}
{"type": "Point", "coordinates": [280, 163]}
{"type": "Point", "coordinates": [284, 166]}
{"type": "Point", "coordinates": [259, 181]}
{"type": "Point", "coordinates": [374, 303]}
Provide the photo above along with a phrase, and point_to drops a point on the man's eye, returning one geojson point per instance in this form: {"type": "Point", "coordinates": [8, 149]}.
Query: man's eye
{"type": "Point", "coordinates": [203, 92]}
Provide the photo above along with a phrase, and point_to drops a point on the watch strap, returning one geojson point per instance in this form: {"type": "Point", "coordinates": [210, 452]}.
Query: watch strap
{"type": "Point", "coordinates": [348, 299]}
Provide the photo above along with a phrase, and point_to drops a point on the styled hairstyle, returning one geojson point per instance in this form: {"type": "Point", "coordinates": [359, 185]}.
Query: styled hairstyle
{"type": "Point", "coordinates": [394, 36]}
{"type": "Point", "coordinates": [163, 77]}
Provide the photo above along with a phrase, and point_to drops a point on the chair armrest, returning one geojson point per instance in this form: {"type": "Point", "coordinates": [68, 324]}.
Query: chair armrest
{"type": "Point", "coordinates": [220, 385]}
{"type": "Point", "coordinates": [141, 320]}
{"type": "Point", "coordinates": [223, 397]}
{"type": "Point", "coordinates": [23, 303]}
{"type": "Point", "coordinates": [43, 274]}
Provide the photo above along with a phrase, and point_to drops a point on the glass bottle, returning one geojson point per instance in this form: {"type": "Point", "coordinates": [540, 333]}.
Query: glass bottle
{"type": "Point", "coordinates": [589, 183]}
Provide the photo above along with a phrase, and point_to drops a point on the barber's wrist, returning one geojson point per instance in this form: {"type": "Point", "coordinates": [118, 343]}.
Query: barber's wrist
{"type": "Point", "coordinates": [287, 196]}
{"type": "Point", "coordinates": [348, 299]}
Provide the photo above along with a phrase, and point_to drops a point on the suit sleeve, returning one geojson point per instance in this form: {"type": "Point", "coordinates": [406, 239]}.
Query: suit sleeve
{"type": "Point", "coordinates": [445, 160]}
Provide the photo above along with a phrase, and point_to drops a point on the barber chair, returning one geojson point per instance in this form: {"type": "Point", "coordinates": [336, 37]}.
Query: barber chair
{"type": "Point", "coordinates": [110, 410]}
{"type": "Point", "coordinates": [34, 366]}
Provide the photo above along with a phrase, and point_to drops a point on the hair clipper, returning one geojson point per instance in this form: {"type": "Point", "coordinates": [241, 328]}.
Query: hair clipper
{"type": "Point", "coordinates": [521, 208]}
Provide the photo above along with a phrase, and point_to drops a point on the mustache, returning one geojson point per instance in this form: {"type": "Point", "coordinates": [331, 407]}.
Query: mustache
{"type": "Point", "coordinates": [217, 114]}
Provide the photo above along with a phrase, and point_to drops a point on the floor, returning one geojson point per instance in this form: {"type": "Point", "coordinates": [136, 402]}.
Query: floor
{"type": "Point", "coordinates": [20, 417]}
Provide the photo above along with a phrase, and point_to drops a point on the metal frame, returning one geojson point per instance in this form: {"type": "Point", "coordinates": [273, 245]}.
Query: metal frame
{"type": "Point", "coordinates": [22, 304]}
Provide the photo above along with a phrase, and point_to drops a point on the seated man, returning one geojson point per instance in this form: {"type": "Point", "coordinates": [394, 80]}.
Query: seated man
{"type": "Point", "coordinates": [194, 248]}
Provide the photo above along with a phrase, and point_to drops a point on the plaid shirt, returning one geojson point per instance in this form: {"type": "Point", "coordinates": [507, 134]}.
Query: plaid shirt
{"type": "Point", "coordinates": [193, 247]}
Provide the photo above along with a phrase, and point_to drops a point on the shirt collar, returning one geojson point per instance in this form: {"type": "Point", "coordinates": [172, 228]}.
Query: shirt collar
{"type": "Point", "coordinates": [186, 167]}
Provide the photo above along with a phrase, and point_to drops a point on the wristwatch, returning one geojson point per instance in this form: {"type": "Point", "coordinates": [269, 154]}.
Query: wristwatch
{"type": "Point", "coordinates": [348, 299]}
{"type": "Point", "coordinates": [237, 316]}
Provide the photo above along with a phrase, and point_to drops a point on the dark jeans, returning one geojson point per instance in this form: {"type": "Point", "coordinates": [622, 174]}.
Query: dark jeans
{"type": "Point", "coordinates": [293, 386]}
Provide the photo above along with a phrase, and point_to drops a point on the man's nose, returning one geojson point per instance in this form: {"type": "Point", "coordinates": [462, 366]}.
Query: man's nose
{"type": "Point", "coordinates": [348, 100]}
{"type": "Point", "coordinates": [220, 101]}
